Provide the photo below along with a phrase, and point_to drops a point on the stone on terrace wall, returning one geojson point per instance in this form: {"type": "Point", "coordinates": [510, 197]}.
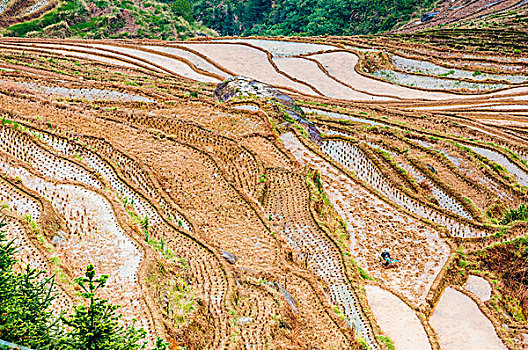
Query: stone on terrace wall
{"type": "Point", "coordinates": [246, 87]}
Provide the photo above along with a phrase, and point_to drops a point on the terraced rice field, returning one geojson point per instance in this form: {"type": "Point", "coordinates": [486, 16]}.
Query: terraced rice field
{"type": "Point", "coordinates": [229, 225]}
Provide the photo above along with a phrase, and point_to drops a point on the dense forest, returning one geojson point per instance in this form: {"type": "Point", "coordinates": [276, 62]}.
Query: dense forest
{"type": "Point", "coordinates": [305, 17]}
{"type": "Point", "coordinates": [180, 19]}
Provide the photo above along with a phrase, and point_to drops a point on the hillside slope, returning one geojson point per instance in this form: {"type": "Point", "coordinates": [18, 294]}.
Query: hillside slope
{"type": "Point", "coordinates": [181, 19]}
{"type": "Point", "coordinates": [476, 27]}
{"type": "Point", "coordinates": [99, 19]}
{"type": "Point", "coordinates": [232, 215]}
{"type": "Point", "coordinates": [476, 14]}
{"type": "Point", "coordinates": [343, 17]}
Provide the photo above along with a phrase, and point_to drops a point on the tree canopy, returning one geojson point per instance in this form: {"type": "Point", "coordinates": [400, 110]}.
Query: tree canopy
{"type": "Point", "coordinates": [305, 17]}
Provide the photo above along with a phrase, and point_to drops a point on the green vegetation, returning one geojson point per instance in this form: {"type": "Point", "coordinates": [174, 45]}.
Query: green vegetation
{"type": "Point", "coordinates": [166, 20]}
{"type": "Point", "coordinates": [175, 19]}
{"type": "Point", "coordinates": [95, 326]}
{"type": "Point", "coordinates": [308, 17]}
{"type": "Point", "coordinates": [362, 343]}
{"type": "Point", "coordinates": [364, 274]}
{"type": "Point", "coordinates": [25, 301]}
{"type": "Point", "coordinates": [387, 341]}
{"type": "Point", "coordinates": [262, 178]}
{"type": "Point", "coordinates": [26, 316]}
{"type": "Point", "coordinates": [450, 72]}
{"type": "Point", "coordinates": [339, 313]}
{"type": "Point", "coordinates": [66, 11]}
{"type": "Point", "coordinates": [511, 215]}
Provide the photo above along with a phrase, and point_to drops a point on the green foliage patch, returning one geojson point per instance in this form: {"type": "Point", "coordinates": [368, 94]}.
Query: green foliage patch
{"type": "Point", "coordinates": [163, 19]}
{"type": "Point", "coordinates": [306, 17]}
{"type": "Point", "coordinates": [514, 214]}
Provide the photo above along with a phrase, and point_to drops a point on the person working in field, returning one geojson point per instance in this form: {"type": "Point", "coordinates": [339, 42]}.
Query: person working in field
{"type": "Point", "coordinates": [387, 261]}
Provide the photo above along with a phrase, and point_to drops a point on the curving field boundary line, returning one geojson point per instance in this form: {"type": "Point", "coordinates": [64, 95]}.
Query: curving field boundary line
{"type": "Point", "coordinates": [200, 71]}
{"type": "Point", "coordinates": [270, 61]}
{"type": "Point", "coordinates": [454, 138]}
{"type": "Point", "coordinates": [117, 206]}
{"type": "Point", "coordinates": [77, 46]}
{"type": "Point", "coordinates": [325, 71]}
{"type": "Point", "coordinates": [37, 49]}
{"type": "Point", "coordinates": [48, 218]}
{"type": "Point", "coordinates": [449, 215]}
{"type": "Point", "coordinates": [422, 313]}
{"type": "Point", "coordinates": [155, 319]}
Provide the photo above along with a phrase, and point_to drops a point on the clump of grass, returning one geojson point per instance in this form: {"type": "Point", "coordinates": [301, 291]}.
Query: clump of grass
{"type": "Point", "coordinates": [6, 121]}
{"type": "Point", "coordinates": [362, 343]}
{"type": "Point", "coordinates": [145, 225]}
{"type": "Point", "coordinates": [514, 214]}
{"type": "Point", "coordinates": [387, 341]}
{"type": "Point", "coordinates": [364, 274]}
{"type": "Point", "coordinates": [451, 72]}
{"type": "Point", "coordinates": [339, 313]}
{"type": "Point", "coordinates": [281, 322]}
{"type": "Point", "coordinates": [262, 178]}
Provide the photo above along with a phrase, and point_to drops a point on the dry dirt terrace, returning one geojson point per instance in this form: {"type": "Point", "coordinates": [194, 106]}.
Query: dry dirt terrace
{"type": "Point", "coordinates": [116, 153]}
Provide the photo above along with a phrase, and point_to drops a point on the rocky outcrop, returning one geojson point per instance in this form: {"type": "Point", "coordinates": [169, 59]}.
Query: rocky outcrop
{"type": "Point", "coordinates": [230, 257]}
{"type": "Point", "coordinates": [246, 87]}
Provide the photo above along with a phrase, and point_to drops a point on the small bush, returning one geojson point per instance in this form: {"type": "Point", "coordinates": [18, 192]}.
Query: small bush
{"type": "Point", "coordinates": [521, 213]}
{"type": "Point", "coordinates": [387, 341]}
{"type": "Point", "coordinates": [363, 343]}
